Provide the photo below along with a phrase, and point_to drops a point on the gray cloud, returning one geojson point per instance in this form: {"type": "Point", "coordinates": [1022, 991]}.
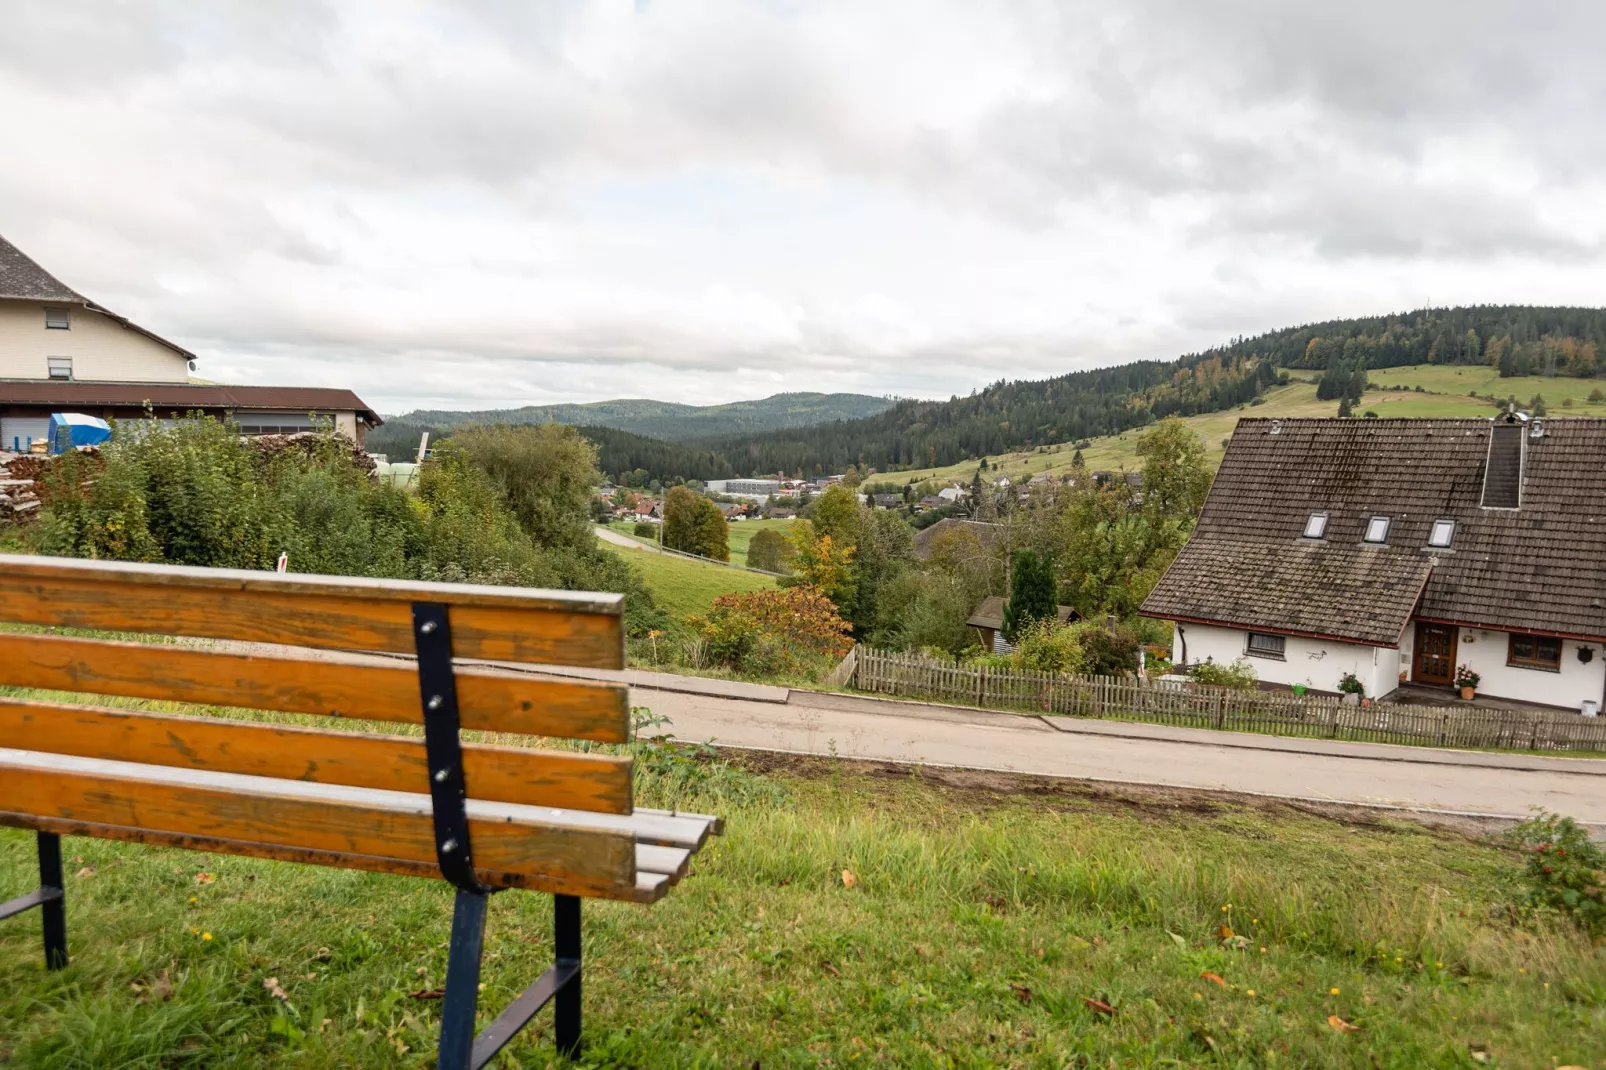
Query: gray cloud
{"type": "Point", "coordinates": [715, 197]}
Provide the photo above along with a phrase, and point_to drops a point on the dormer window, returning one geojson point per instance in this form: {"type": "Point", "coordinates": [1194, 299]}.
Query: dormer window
{"type": "Point", "coordinates": [58, 319]}
{"type": "Point", "coordinates": [1377, 529]}
{"type": "Point", "coordinates": [1442, 535]}
{"type": "Point", "coordinates": [1316, 526]}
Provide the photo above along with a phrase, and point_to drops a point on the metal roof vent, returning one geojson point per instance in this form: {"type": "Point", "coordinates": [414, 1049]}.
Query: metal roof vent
{"type": "Point", "coordinates": [1276, 428]}
{"type": "Point", "coordinates": [1536, 429]}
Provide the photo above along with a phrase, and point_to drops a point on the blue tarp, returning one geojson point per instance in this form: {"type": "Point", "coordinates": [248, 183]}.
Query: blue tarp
{"type": "Point", "coordinates": [69, 429]}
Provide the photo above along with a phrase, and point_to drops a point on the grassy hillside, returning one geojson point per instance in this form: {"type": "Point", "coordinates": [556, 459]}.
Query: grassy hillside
{"type": "Point", "coordinates": [984, 921]}
{"type": "Point", "coordinates": [683, 587]}
{"type": "Point", "coordinates": [1446, 391]}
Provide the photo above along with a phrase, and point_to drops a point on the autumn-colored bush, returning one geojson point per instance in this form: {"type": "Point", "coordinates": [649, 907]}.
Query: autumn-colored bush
{"type": "Point", "coordinates": [790, 630]}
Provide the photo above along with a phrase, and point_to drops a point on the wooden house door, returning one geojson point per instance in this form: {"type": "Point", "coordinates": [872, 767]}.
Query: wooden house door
{"type": "Point", "coordinates": [1435, 653]}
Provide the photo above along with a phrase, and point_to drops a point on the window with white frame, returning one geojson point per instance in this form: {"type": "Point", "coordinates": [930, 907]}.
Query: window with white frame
{"type": "Point", "coordinates": [1377, 529]}
{"type": "Point", "coordinates": [1443, 534]}
{"type": "Point", "coordinates": [60, 367]}
{"type": "Point", "coordinates": [1316, 526]}
{"type": "Point", "coordinates": [58, 319]}
{"type": "Point", "coordinates": [1262, 645]}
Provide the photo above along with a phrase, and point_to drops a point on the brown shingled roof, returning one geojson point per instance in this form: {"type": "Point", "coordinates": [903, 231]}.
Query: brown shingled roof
{"type": "Point", "coordinates": [22, 278]}
{"type": "Point", "coordinates": [1538, 568]}
{"type": "Point", "coordinates": [183, 397]}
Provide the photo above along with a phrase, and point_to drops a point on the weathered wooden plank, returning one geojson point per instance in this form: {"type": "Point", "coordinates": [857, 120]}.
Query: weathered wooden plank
{"type": "Point", "coordinates": [331, 685]}
{"type": "Point", "coordinates": [386, 830]}
{"type": "Point", "coordinates": [332, 612]}
{"type": "Point", "coordinates": [388, 763]}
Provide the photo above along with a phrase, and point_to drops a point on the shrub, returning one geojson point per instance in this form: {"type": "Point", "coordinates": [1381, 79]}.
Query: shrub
{"type": "Point", "coordinates": [645, 530]}
{"type": "Point", "coordinates": [545, 472]}
{"type": "Point", "coordinates": [787, 630]}
{"type": "Point", "coordinates": [770, 551]}
{"type": "Point", "coordinates": [1048, 646]}
{"type": "Point", "coordinates": [1110, 652]}
{"type": "Point", "coordinates": [1240, 675]}
{"type": "Point", "coordinates": [1564, 869]}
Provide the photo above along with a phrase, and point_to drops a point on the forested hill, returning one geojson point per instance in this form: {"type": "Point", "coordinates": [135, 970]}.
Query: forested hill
{"type": "Point", "coordinates": [670, 421]}
{"type": "Point", "coordinates": [1006, 416]}
{"type": "Point", "coordinates": [1517, 339]}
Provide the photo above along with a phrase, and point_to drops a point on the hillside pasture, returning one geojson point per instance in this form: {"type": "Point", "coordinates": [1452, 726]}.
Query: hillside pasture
{"type": "Point", "coordinates": [683, 587]}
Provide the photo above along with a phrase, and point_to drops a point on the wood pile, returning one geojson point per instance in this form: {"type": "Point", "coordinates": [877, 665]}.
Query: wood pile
{"type": "Point", "coordinates": [310, 443]}
{"type": "Point", "coordinates": [19, 500]}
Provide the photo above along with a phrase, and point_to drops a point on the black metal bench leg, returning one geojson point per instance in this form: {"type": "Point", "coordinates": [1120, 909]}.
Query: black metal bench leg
{"type": "Point", "coordinates": [566, 938]}
{"type": "Point", "coordinates": [462, 981]}
{"type": "Point", "coordinates": [53, 910]}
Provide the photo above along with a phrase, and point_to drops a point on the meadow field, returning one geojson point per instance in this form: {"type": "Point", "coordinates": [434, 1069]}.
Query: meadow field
{"type": "Point", "coordinates": [684, 587]}
{"type": "Point", "coordinates": [853, 915]}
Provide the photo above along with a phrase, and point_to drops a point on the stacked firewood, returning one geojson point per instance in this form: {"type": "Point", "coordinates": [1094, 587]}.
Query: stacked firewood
{"type": "Point", "coordinates": [19, 501]}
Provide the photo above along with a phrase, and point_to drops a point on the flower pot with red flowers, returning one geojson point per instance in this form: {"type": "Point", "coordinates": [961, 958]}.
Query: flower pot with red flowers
{"type": "Point", "coordinates": [1467, 681]}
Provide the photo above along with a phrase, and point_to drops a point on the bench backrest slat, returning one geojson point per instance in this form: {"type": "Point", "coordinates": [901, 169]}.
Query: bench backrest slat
{"type": "Point", "coordinates": [328, 685]}
{"type": "Point", "coordinates": [285, 817]}
{"type": "Point", "coordinates": [593, 782]}
{"type": "Point", "coordinates": [330, 612]}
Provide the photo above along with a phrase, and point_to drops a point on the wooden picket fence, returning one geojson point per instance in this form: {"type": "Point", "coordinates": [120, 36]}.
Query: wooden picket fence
{"type": "Point", "coordinates": [1190, 705]}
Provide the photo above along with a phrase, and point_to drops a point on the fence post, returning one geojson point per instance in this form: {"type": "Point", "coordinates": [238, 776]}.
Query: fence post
{"type": "Point", "coordinates": [1332, 725]}
{"type": "Point", "coordinates": [1221, 708]}
{"type": "Point", "coordinates": [981, 684]}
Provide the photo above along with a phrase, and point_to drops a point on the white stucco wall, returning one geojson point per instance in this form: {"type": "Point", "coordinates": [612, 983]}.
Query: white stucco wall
{"type": "Point", "coordinates": [101, 348]}
{"type": "Point", "coordinates": [1486, 652]}
{"type": "Point", "coordinates": [1316, 663]}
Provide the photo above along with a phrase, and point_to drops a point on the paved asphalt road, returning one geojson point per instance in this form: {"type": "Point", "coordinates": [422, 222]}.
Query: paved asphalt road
{"type": "Point", "coordinates": [619, 538]}
{"type": "Point", "coordinates": [1409, 777]}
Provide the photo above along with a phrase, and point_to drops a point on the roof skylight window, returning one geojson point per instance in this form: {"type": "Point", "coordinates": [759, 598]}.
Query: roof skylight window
{"type": "Point", "coordinates": [1377, 529]}
{"type": "Point", "coordinates": [1316, 526]}
{"type": "Point", "coordinates": [1442, 534]}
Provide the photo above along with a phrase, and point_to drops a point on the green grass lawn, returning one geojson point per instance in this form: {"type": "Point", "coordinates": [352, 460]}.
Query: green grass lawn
{"type": "Point", "coordinates": [742, 532]}
{"type": "Point", "coordinates": [684, 587]}
{"type": "Point", "coordinates": [851, 916]}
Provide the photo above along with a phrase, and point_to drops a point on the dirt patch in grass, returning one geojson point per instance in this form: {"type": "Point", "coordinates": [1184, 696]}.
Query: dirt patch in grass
{"type": "Point", "coordinates": [981, 790]}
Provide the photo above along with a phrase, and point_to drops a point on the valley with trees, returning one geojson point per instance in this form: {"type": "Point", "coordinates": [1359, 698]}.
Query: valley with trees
{"type": "Point", "coordinates": [517, 504]}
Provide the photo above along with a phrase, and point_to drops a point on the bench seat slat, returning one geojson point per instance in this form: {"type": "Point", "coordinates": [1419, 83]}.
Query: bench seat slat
{"type": "Point", "coordinates": [564, 779]}
{"type": "Point", "coordinates": [332, 612]}
{"type": "Point", "coordinates": [322, 684]}
{"type": "Point", "coordinates": [393, 829]}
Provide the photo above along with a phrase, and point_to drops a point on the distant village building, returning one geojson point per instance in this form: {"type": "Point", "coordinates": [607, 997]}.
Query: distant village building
{"type": "Point", "coordinates": [888, 501]}
{"type": "Point", "coordinates": [1399, 550]}
{"type": "Point", "coordinates": [62, 352]}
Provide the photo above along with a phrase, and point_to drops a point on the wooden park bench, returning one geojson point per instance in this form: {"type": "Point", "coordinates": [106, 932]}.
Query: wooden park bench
{"type": "Point", "coordinates": [482, 817]}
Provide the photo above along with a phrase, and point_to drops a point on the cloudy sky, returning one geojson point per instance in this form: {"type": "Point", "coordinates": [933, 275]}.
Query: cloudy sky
{"type": "Point", "coordinates": [476, 204]}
